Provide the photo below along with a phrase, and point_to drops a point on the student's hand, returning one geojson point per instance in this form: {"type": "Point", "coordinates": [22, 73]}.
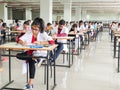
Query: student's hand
{"type": "Point", "coordinates": [24, 43]}
{"type": "Point", "coordinates": [54, 35]}
{"type": "Point", "coordinates": [23, 31]}
{"type": "Point", "coordinates": [36, 43]}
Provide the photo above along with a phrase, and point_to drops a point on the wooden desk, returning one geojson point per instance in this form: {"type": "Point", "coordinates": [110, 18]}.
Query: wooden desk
{"type": "Point", "coordinates": [18, 31]}
{"type": "Point", "coordinates": [116, 32]}
{"type": "Point", "coordinates": [66, 38]}
{"type": "Point", "coordinates": [14, 34]}
{"type": "Point", "coordinates": [14, 46]}
{"type": "Point", "coordinates": [73, 33]}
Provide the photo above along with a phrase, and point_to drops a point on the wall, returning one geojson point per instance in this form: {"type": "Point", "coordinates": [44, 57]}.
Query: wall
{"type": "Point", "coordinates": [18, 14]}
{"type": "Point", "coordinates": [102, 16]}
{"type": "Point", "coordinates": [35, 14]}
{"type": "Point", "coordinates": [57, 16]}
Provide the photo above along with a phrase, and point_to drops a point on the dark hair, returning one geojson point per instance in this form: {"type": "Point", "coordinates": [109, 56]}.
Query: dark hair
{"type": "Point", "coordinates": [40, 23]}
{"type": "Point", "coordinates": [74, 25]}
{"type": "Point", "coordinates": [56, 22]}
{"type": "Point", "coordinates": [4, 25]}
{"type": "Point", "coordinates": [118, 24]}
{"type": "Point", "coordinates": [26, 22]}
{"type": "Point", "coordinates": [16, 20]}
{"type": "Point", "coordinates": [49, 24]}
{"type": "Point", "coordinates": [80, 21]}
{"type": "Point", "coordinates": [62, 22]}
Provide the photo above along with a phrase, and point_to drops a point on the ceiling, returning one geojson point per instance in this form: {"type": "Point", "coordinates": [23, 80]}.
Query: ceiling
{"type": "Point", "coordinates": [93, 6]}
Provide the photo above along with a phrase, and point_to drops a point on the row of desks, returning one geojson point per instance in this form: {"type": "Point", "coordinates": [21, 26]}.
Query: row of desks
{"type": "Point", "coordinates": [14, 46]}
{"type": "Point", "coordinates": [116, 35]}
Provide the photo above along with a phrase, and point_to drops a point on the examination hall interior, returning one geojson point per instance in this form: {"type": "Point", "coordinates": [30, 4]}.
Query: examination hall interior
{"type": "Point", "coordinates": [94, 68]}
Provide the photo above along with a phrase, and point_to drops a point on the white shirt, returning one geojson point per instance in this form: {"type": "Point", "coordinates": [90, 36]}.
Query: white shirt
{"type": "Point", "coordinates": [41, 37]}
{"type": "Point", "coordinates": [81, 28]}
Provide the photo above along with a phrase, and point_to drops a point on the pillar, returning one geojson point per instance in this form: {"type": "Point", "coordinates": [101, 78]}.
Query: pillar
{"type": "Point", "coordinates": [67, 12]}
{"type": "Point", "coordinates": [28, 14]}
{"type": "Point", "coordinates": [78, 14]}
{"type": "Point", "coordinates": [46, 7]}
{"type": "Point", "coordinates": [4, 11]}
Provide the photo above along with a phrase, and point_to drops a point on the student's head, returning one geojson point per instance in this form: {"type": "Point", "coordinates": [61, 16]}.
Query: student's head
{"type": "Point", "coordinates": [16, 20]}
{"type": "Point", "coordinates": [118, 24]}
{"type": "Point", "coordinates": [29, 21]}
{"type": "Point", "coordinates": [1, 20]}
{"type": "Point", "coordinates": [80, 22]}
{"type": "Point", "coordinates": [48, 26]}
{"type": "Point", "coordinates": [25, 24]}
{"type": "Point", "coordinates": [4, 25]}
{"type": "Point", "coordinates": [56, 23]}
{"type": "Point", "coordinates": [37, 25]}
{"type": "Point", "coordinates": [74, 26]}
{"type": "Point", "coordinates": [61, 24]}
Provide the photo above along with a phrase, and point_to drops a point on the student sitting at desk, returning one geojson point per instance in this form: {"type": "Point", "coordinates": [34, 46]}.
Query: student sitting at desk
{"type": "Point", "coordinates": [37, 36]}
{"type": "Point", "coordinates": [60, 31]}
{"type": "Point", "coordinates": [48, 28]}
{"type": "Point", "coordinates": [3, 32]}
{"type": "Point", "coordinates": [25, 28]}
{"type": "Point", "coordinates": [1, 22]}
{"type": "Point", "coordinates": [74, 29]}
{"type": "Point", "coordinates": [81, 28]}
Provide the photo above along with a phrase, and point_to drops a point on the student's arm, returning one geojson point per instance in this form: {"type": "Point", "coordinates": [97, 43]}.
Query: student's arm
{"type": "Point", "coordinates": [41, 42]}
{"type": "Point", "coordinates": [22, 42]}
{"type": "Point", "coordinates": [62, 34]}
{"type": "Point", "coordinates": [22, 31]}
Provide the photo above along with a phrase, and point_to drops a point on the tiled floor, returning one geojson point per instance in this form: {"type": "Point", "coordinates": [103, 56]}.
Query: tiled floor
{"type": "Point", "coordinates": [94, 69]}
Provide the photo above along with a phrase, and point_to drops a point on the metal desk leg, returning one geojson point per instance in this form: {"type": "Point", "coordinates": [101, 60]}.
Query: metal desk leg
{"type": "Point", "coordinates": [10, 81]}
{"type": "Point", "coordinates": [88, 38]}
{"type": "Point", "coordinates": [79, 45]}
{"type": "Point", "coordinates": [118, 55]}
{"type": "Point", "coordinates": [54, 74]}
{"type": "Point", "coordinates": [111, 35]}
{"type": "Point", "coordinates": [115, 46]}
{"type": "Point", "coordinates": [47, 71]}
{"type": "Point", "coordinates": [69, 54]}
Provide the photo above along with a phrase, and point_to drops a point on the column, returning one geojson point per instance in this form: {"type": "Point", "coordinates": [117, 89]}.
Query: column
{"type": "Point", "coordinates": [67, 12]}
{"type": "Point", "coordinates": [46, 7]}
{"type": "Point", "coordinates": [28, 14]}
{"type": "Point", "coordinates": [78, 13]}
{"type": "Point", "coordinates": [3, 11]}
{"type": "Point", "coordinates": [84, 14]}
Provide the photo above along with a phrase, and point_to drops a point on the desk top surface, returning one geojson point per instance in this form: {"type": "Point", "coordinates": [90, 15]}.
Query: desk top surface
{"type": "Point", "coordinates": [18, 31]}
{"type": "Point", "coordinates": [61, 38]}
{"type": "Point", "coordinates": [15, 46]}
{"type": "Point", "coordinates": [117, 35]}
{"type": "Point", "coordinates": [1, 35]}
{"type": "Point", "coordinates": [118, 40]}
{"type": "Point", "coordinates": [116, 32]}
{"type": "Point", "coordinates": [73, 33]}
